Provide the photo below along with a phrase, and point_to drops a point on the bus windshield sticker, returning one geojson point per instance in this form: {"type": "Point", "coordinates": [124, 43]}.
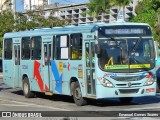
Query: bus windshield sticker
{"type": "Point", "coordinates": [140, 66]}
{"type": "Point", "coordinates": [112, 67]}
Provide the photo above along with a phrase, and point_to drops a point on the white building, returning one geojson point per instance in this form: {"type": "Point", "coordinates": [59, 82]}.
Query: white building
{"type": "Point", "coordinates": [5, 6]}
{"type": "Point", "coordinates": [34, 4]}
{"type": "Point", "coordinates": [74, 12]}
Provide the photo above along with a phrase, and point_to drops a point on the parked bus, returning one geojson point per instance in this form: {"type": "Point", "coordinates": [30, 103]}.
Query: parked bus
{"type": "Point", "coordinates": [103, 60]}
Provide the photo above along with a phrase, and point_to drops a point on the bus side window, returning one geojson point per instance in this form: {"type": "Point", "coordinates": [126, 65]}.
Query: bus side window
{"type": "Point", "coordinates": [76, 46]}
{"type": "Point", "coordinates": [36, 48]}
{"type": "Point", "coordinates": [8, 49]}
{"type": "Point", "coordinates": [62, 44]}
{"type": "Point", "coordinates": [26, 46]}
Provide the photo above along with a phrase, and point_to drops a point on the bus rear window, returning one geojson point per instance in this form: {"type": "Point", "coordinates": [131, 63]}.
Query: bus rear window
{"type": "Point", "coordinates": [8, 49]}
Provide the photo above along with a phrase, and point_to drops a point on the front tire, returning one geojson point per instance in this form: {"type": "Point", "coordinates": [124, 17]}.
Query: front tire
{"type": "Point", "coordinates": [77, 95]}
{"type": "Point", "coordinates": [26, 89]}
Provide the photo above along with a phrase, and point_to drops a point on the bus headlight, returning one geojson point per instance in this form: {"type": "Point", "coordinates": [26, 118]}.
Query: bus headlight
{"type": "Point", "coordinates": [150, 81]}
{"type": "Point", "coordinates": [105, 82]}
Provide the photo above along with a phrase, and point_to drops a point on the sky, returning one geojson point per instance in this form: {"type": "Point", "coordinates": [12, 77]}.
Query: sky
{"type": "Point", "coordinates": [20, 3]}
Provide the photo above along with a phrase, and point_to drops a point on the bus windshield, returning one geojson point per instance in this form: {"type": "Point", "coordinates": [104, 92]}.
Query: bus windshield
{"type": "Point", "coordinates": [126, 54]}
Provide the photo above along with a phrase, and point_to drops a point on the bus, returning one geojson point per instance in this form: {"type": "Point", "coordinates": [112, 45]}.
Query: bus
{"type": "Point", "coordinates": [90, 61]}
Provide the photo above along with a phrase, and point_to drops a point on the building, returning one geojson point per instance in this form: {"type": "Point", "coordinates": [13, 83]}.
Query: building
{"type": "Point", "coordinates": [5, 6]}
{"type": "Point", "coordinates": [34, 4]}
{"type": "Point", "coordinates": [75, 12]}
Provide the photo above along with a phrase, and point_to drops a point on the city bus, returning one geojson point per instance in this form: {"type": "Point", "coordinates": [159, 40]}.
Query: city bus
{"type": "Point", "coordinates": [90, 61]}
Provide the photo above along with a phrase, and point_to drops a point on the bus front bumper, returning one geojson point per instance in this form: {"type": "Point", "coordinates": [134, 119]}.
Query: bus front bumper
{"type": "Point", "coordinates": [106, 92]}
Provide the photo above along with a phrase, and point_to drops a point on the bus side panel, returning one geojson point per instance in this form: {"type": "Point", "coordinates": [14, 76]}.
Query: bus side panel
{"type": "Point", "coordinates": [62, 72]}
{"type": "Point", "coordinates": [8, 75]}
{"type": "Point", "coordinates": [58, 76]}
{"type": "Point", "coordinates": [33, 69]}
{"type": "Point", "coordinates": [38, 83]}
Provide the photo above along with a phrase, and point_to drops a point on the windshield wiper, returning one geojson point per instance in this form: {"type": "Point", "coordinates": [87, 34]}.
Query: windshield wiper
{"type": "Point", "coordinates": [137, 44]}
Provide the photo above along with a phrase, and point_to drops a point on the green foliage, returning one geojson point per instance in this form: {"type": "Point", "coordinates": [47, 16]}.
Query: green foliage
{"type": "Point", "coordinates": [147, 12]}
{"type": "Point", "coordinates": [97, 7]}
{"type": "Point", "coordinates": [6, 25]}
{"type": "Point", "coordinates": [30, 20]}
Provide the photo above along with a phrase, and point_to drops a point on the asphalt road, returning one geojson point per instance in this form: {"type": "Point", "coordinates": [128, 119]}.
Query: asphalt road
{"type": "Point", "coordinates": [12, 100]}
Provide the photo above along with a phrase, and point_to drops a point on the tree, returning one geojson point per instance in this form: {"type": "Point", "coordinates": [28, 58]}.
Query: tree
{"type": "Point", "coordinates": [147, 13]}
{"type": "Point", "coordinates": [121, 5]}
{"type": "Point", "coordinates": [97, 7]}
{"type": "Point", "coordinates": [6, 25]}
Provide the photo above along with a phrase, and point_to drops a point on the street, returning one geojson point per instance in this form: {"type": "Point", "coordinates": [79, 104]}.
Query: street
{"type": "Point", "coordinates": [13, 100]}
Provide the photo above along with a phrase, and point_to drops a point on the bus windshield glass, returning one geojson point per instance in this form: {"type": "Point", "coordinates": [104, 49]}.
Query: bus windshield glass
{"type": "Point", "coordinates": [126, 54]}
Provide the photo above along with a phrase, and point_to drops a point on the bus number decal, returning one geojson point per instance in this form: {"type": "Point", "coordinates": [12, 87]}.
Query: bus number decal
{"type": "Point", "coordinates": [37, 75]}
{"type": "Point", "coordinates": [57, 77]}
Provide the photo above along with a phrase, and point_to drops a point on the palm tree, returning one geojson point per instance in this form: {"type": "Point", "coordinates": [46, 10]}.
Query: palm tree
{"type": "Point", "coordinates": [97, 7]}
{"type": "Point", "coordinates": [121, 5]}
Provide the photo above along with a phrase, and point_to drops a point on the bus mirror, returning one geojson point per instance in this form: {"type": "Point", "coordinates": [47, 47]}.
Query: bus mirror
{"type": "Point", "coordinates": [97, 49]}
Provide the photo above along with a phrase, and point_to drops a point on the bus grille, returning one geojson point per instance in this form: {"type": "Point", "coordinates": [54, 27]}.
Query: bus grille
{"type": "Point", "coordinates": [130, 78]}
{"type": "Point", "coordinates": [128, 91]}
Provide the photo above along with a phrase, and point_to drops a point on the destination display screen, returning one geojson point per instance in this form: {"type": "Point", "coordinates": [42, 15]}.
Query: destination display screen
{"type": "Point", "coordinates": [124, 31]}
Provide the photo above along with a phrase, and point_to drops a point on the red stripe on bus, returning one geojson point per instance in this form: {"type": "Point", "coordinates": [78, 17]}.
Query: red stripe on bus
{"type": "Point", "coordinates": [37, 75]}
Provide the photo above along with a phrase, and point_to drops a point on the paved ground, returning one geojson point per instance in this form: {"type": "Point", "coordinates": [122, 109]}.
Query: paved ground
{"type": "Point", "coordinates": [13, 100]}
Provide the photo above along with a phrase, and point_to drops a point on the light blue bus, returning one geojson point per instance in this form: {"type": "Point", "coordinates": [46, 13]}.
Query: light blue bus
{"type": "Point", "coordinates": [101, 60]}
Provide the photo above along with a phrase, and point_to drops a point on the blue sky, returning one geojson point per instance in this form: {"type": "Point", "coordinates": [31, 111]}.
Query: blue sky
{"type": "Point", "coordinates": [20, 3]}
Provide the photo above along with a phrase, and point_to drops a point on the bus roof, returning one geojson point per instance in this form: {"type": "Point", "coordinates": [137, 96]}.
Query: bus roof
{"type": "Point", "coordinates": [65, 29]}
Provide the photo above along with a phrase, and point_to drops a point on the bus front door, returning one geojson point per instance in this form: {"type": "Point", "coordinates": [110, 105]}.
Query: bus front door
{"type": "Point", "coordinates": [47, 67]}
{"type": "Point", "coordinates": [17, 66]}
{"type": "Point", "coordinates": [90, 68]}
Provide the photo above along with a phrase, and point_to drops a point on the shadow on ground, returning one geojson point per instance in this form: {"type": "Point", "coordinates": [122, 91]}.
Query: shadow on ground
{"type": "Point", "coordinates": [99, 102]}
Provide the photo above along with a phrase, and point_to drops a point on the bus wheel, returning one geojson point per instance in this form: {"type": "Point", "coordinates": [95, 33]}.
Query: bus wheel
{"type": "Point", "coordinates": [126, 100]}
{"type": "Point", "coordinates": [26, 88]}
{"type": "Point", "coordinates": [77, 95]}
